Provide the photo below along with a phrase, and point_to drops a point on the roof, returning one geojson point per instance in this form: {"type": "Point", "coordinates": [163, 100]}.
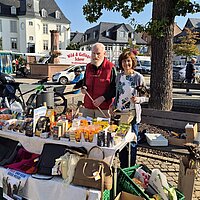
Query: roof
{"type": "Point", "coordinates": [50, 7]}
{"type": "Point", "coordinates": [76, 37]}
{"type": "Point", "coordinates": [15, 3]}
{"type": "Point", "coordinates": [195, 22]}
{"type": "Point", "coordinates": [104, 27]}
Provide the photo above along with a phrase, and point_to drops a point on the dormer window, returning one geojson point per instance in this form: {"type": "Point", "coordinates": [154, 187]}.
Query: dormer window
{"type": "Point", "coordinates": [107, 33]}
{"type": "Point", "coordinates": [44, 13]}
{"type": "Point", "coordinates": [57, 14]}
{"type": "Point", "coordinates": [95, 34]}
{"type": "Point", "coordinates": [13, 10]}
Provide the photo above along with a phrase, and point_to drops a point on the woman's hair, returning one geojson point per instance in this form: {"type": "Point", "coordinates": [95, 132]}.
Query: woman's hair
{"type": "Point", "coordinates": [125, 55]}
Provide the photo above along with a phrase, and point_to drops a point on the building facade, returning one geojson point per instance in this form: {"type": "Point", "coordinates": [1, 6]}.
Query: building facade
{"type": "Point", "coordinates": [25, 25]}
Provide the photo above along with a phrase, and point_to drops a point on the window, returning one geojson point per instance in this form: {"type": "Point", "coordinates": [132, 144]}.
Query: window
{"type": "Point", "coordinates": [45, 28]}
{"type": "Point", "coordinates": [57, 14]}
{"type": "Point", "coordinates": [107, 33]}
{"type": "Point", "coordinates": [13, 43]}
{"type": "Point", "coordinates": [44, 13]}
{"type": "Point", "coordinates": [58, 28]}
{"type": "Point", "coordinates": [121, 48]}
{"type": "Point", "coordinates": [13, 26]}
{"type": "Point", "coordinates": [31, 38]}
{"type": "Point", "coordinates": [30, 23]}
{"type": "Point", "coordinates": [0, 9]}
{"type": "Point", "coordinates": [122, 34]}
{"type": "Point", "coordinates": [108, 48]}
{"type": "Point", "coordinates": [60, 45]}
{"type": "Point", "coordinates": [0, 25]}
{"type": "Point", "coordinates": [45, 45]}
{"type": "Point", "coordinates": [95, 34]}
{"type": "Point", "coordinates": [13, 10]}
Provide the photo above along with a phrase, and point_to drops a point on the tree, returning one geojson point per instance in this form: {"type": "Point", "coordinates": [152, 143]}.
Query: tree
{"type": "Point", "coordinates": [73, 46]}
{"type": "Point", "coordinates": [161, 31]}
{"type": "Point", "coordinates": [187, 46]}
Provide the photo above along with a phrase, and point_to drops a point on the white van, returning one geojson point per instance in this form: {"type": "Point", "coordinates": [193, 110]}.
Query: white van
{"type": "Point", "coordinates": [143, 64]}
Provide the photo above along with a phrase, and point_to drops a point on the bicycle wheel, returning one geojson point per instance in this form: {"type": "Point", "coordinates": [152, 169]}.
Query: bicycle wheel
{"type": "Point", "coordinates": [60, 103]}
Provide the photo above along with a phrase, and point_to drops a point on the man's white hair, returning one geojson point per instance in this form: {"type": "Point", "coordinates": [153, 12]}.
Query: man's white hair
{"type": "Point", "coordinates": [98, 44]}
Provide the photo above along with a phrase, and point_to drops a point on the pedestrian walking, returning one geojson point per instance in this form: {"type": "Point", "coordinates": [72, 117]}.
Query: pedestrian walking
{"type": "Point", "coordinates": [190, 74]}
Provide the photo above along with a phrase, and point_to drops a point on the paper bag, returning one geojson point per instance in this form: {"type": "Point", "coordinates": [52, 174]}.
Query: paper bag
{"type": "Point", "coordinates": [186, 178]}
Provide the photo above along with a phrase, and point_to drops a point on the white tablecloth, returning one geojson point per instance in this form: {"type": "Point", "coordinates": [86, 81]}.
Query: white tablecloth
{"type": "Point", "coordinates": [35, 144]}
{"type": "Point", "coordinates": [56, 188]}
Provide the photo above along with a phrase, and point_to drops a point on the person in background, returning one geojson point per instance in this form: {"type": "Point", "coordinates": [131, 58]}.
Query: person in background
{"type": "Point", "coordinates": [98, 84]}
{"type": "Point", "coordinates": [190, 74]}
{"type": "Point", "coordinates": [16, 64]}
{"type": "Point", "coordinates": [128, 99]}
{"type": "Point", "coordinates": [78, 75]}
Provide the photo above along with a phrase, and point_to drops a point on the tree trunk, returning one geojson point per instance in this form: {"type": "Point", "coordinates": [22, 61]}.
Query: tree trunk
{"type": "Point", "coordinates": [161, 48]}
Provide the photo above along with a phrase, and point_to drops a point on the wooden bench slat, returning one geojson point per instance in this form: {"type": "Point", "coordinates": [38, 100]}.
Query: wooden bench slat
{"type": "Point", "coordinates": [195, 86]}
{"type": "Point", "coordinates": [164, 122]}
{"type": "Point", "coordinates": [171, 115]}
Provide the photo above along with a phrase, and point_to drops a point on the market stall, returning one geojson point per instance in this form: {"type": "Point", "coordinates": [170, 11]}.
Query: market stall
{"type": "Point", "coordinates": [56, 187]}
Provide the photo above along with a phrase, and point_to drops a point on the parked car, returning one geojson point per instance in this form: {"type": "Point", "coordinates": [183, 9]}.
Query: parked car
{"type": "Point", "coordinates": [143, 64]}
{"type": "Point", "coordinates": [179, 73]}
{"type": "Point", "coordinates": [64, 77]}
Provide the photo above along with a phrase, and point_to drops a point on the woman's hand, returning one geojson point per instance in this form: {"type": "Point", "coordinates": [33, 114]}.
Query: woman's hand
{"type": "Point", "coordinates": [135, 99]}
{"type": "Point", "coordinates": [111, 110]}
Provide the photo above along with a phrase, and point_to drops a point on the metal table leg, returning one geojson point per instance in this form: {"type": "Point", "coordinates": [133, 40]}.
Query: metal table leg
{"type": "Point", "coordinates": [116, 164]}
{"type": "Point", "coordinates": [129, 154]}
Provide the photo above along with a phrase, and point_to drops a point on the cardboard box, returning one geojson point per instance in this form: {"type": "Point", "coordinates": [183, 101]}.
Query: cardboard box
{"type": "Point", "coordinates": [191, 131]}
{"type": "Point", "coordinates": [176, 141]}
{"type": "Point", "coordinates": [186, 178]}
{"type": "Point", "coordinates": [127, 196]}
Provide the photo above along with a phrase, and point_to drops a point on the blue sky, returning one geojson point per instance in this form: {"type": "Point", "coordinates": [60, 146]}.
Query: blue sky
{"type": "Point", "coordinates": [72, 9]}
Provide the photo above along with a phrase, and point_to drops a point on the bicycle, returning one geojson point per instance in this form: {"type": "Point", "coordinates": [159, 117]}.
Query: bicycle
{"type": "Point", "coordinates": [60, 103]}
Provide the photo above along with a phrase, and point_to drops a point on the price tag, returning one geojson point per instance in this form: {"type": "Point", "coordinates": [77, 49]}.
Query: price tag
{"type": "Point", "coordinates": [96, 176]}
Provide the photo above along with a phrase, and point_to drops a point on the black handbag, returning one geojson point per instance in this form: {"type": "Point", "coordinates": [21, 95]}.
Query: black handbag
{"type": "Point", "coordinates": [8, 150]}
{"type": "Point", "coordinates": [51, 152]}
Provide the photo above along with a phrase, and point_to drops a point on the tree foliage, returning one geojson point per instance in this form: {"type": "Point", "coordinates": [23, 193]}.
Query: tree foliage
{"type": "Point", "coordinates": [93, 10]}
{"type": "Point", "coordinates": [187, 46]}
{"type": "Point", "coordinates": [73, 46]}
{"type": "Point", "coordinates": [160, 28]}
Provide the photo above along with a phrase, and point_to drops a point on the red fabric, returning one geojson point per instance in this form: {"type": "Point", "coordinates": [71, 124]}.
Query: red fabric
{"type": "Point", "coordinates": [24, 161]}
{"type": "Point", "coordinates": [97, 84]}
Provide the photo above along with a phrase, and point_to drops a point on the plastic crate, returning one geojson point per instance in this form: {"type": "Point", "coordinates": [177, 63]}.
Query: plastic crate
{"type": "Point", "coordinates": [106, 195]}
{"type": "Point", "coordinates": [125, 182]}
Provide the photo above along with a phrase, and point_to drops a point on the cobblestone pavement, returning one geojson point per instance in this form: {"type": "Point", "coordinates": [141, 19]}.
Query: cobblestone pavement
{"type": "Point", "coordinates": [169, 166]}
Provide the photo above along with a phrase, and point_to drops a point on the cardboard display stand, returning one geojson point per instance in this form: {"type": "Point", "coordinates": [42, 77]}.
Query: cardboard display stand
{"type": "Point", "coordinates": [186, 178]}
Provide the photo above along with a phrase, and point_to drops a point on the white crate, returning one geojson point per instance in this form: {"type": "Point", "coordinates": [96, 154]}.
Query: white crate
{"type": "Point", "coordinates": [156, 139]}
